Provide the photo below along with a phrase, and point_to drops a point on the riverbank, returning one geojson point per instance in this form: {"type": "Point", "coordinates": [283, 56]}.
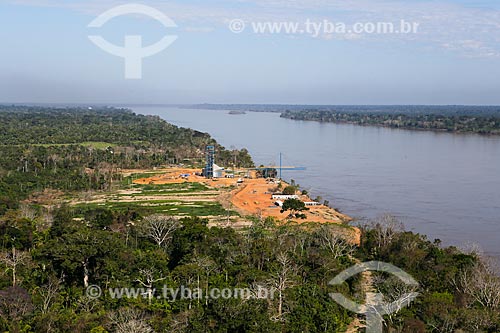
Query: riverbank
{"type": "Point", "coordinates": [439, 184]}
{"type": "Point", "coordinates": [444, 123]}
{"type": "Point", "coordinates": [250, 197]}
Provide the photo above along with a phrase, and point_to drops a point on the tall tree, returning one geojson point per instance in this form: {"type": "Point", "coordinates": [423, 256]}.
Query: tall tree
{"type": "Point", "coordinates": [160, 229]}
{"type": "Point", "coordinates": [14, 259]}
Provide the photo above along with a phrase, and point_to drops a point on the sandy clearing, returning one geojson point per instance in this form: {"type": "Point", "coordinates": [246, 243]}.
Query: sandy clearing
{"type": "Point", "coordinates": [252, 197]}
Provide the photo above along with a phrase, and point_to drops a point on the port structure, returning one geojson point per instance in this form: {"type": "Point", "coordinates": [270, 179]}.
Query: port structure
{"type": "Point", "coordinates": [212, 170]}
{"type": "Point", "coordinates": [269, 171]}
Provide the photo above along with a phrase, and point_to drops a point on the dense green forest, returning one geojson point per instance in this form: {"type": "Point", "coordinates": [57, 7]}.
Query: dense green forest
{"type": "Point", "coordinates": [460, 122]}
{"type": "Point", "coordinates": [75, 149]}
{"type": "Point", "coordinates": [55, 259]}
{"type": "Point", "coordinates": [49, 268]}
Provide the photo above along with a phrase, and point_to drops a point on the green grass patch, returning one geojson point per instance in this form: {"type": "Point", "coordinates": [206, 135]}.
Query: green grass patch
{"type": "Point", "coordinates": [167, 188]}
{"type": "Point", "coordinates": [98, 145]}
{"type": "Point", "coordinates": [169, 207]}
{"type": "Point", "coordinates": [175, 188]}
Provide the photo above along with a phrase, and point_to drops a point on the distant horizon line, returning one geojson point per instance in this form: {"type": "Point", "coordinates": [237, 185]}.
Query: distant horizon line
{"type": "Point", "coordinates": [223, 104]}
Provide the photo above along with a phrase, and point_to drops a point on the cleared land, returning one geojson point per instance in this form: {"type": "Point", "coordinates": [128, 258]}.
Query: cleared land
{"type": "Point", "coordinates": [224, 202]}
{"type": "Point", "coordinates": [252, 197]}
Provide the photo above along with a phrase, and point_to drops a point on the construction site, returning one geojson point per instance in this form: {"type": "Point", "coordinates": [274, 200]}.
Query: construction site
{"type": "Point", "coordinates": [249, 191]}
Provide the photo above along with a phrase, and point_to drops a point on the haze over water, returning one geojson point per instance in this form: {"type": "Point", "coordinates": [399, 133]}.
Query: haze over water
{"type": "Point", "coordinates": [443, 185]}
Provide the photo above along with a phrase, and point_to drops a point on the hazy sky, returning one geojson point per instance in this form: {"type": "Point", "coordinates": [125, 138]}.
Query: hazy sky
{"type": "Point", "coordinates": [46, 56]}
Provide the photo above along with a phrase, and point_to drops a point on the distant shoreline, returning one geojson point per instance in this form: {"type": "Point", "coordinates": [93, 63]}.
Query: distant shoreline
{"type": "Point", "coordinates": [446, 123]}
{"type": "Point", "coordinates": [456, 119]}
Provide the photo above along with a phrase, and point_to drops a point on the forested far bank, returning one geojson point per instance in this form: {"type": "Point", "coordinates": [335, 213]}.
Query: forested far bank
{"type": "Point", "coordinates": [463, 122]}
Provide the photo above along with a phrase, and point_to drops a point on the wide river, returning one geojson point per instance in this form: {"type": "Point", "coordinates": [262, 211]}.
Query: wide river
{"type": "Point", "coordinates": [443, 185]}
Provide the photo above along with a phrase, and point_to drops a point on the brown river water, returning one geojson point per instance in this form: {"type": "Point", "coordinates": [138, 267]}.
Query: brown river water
{"type": "Point", "coordinates": [443, 185]}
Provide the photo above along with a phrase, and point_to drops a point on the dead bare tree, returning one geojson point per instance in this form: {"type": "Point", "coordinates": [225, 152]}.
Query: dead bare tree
{"type": "Point", "coordinates": [48, 293]}
{"type": "Point", "coordinates": [129, 321]}
{"type": "Point", "coordinates": [396, 295]}
{"type": "Point", "coordinates": [86, 304]}
{"type": "Point", "coordinates": [180, 322]}
{"type": "Point", "coordinates": [480, 285]}
{"type": "Point", "coordinates": [448, 325]}
{"type": "Point", "coordinates": [387, 227]}
{"type": "Point", "coordinates": [480, 320]}
{"type": "Point", "coordinates": [148, 280]}
{"type": "Point", "coordinates": [334, 242]}
{"type": "Point", "coordinates": [161, 228]}
{"type": "Point", "coordinates": [208, 266]}
{"type": "Point", "coordinates": [13, 260]}
{"type": "Point", "coordinates": [301, 241]}
{"type": "Point", "coordinates": [473, 249]}
{"type": "Point", "coordinates": [281, 280]}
